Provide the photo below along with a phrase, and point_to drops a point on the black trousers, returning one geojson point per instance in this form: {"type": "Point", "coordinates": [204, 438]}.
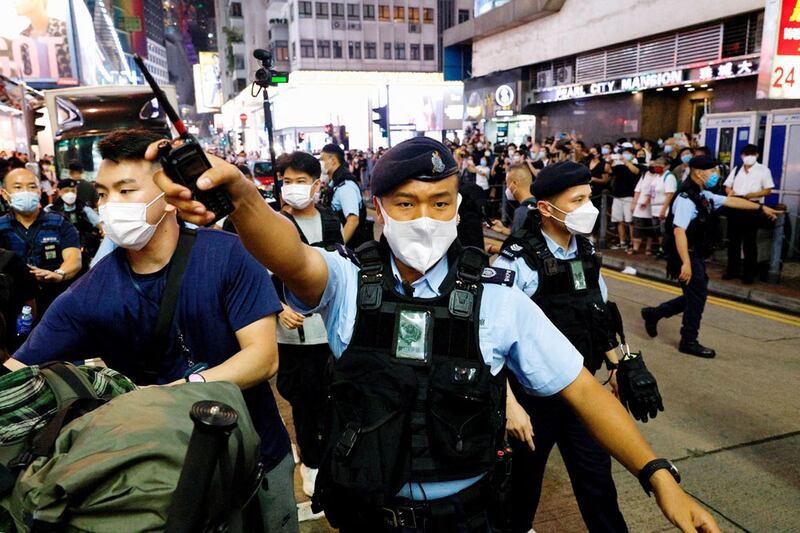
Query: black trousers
{"type": "Point", "coordinates": [691, 303]}
{"type": "Point", "coordinates": [588, 466]}
{"type": "Point", "coordinates": [742, 231]}
{"type": "Point", "coordinates": [302, 381]}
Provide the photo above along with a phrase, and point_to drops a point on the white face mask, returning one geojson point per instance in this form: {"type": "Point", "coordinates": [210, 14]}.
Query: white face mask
{"type": "Point", "coordinates": [749, 160]}
{"type": "Point", "coordinates": [297, 195]}
{"type": "Point", "coordinates": [509, 195]}
{"type": "Point", "coordinates": [581, 221]}
{"type": "Point", "coordinates": [126, 223]}
{"type": "Point", "coordinates": [422, 242]}
{"type": "Point", "coordinates": [69, 198]}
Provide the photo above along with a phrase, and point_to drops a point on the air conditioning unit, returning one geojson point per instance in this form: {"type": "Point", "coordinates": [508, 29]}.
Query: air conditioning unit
{"type": "Point", "coordinates": [414, 28]}
{"type": "Point", "coordinates": [544, 79]}
{"type": "Point", "coordinates": [337, 25]}
{"type": "Point", "coordinates": [354, 26]}
{"type": "Point", "coordinates": [564, 75]}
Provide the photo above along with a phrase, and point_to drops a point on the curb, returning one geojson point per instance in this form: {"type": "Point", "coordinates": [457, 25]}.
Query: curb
{"type": "Point", "coordinates": [739, 293]}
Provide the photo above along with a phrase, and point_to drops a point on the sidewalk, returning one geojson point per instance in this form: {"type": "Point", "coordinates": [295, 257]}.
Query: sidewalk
{"type": "Point", "coordinates": [783, 297]}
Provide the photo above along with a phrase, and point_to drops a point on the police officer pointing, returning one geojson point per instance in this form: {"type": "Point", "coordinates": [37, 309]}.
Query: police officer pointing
{"type": "Point", "coordinates": [555, 265]}
{"type": "Point", "coordinates": [420, 331]}
{"type": "Point", "coordinates": [690, 233]}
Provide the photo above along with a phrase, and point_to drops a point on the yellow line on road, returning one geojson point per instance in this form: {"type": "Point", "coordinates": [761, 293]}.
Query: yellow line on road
{"type": "Point", "coordinates": [714, 300]}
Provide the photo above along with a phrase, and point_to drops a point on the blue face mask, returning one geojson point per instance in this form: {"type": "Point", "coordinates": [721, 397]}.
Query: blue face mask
{"type": "Point", "coordinates": [712, 181]}
{"type": "Point", "coordinates": [668, 149]}
{"type": "Point", "coordinates": [627, 156]}
{"type": "Point", "coordinates": [605, 150]}
{"type": "Point", "coordinates": [686, 158]}
{"type": "Point", "coordinates": [24, 202]}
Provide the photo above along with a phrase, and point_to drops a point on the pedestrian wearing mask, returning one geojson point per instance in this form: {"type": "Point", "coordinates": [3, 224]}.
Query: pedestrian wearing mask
{"type": "Point", "coordinates": [84, 218]}
{"type": "Point", "coordinates": [751, 181]}
{"type": "Point", "coordinates": [556, 266]}
{"type": "Point", "coordinates": [643, 227]}
{"type": "Point", "coordinates": [690, 233]}
{"type": "Point", "coordinates": [680, 167]}
{"type": "Point", "coordinates": [87, 194]}
{"type": "Point", "coordinates": [625, 176]}
{"type": "Point", "coordinates": [482, 173]}
{"type": "Point", "coordinates": [662, 190]}
{"type": "Point", "coordinates": [346, 200]}
{"type": "Point", "coordinates": [223, 323]}
{"type": "Point", "coordinates": [518, 189]}
{"type": "Point", "coordinates": [421, 330]}
{"type": "Point", "coordinates": [302, 342]}
{"type": "Point", "coordinates": [48, 244]}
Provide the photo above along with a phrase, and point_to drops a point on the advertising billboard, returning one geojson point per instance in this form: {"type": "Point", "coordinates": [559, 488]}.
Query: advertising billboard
{"type": "Point", "coordinates": [484, 6]}
{"type": "Point", "coordinates": [426, 107]}
{"type": "Point", "coordinates": [36, 42]}
{"type": "Point", "coordinates": [779, 75]}
{"type": "Point", "coordinates": [207, 83]}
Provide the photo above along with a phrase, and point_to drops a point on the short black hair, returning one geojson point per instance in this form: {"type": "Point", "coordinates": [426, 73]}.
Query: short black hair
{"type": "Point", "coordinates": [629, 149]}
{"type": "Point", "coordinates": [750, 149]}
{"type": "Point", "coordinates": [128, 145]}
{"type": "Point", "coordinates": [685, 149]}
{"type": "Point", "coordinates": [75, 166]}
{"type": "Point", "coordinates": [15, 163]}
{"type": "Point", "coordinates": [702, 150]}
{"type": "Point", "coordinates": [302, 162]}
{"type": "Point", "coordinates": [334, 149]}
{"type": "Point", "coordinates": [280, 163]}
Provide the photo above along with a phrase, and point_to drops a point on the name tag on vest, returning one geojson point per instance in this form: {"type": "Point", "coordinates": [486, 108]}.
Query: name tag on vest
{"type": "Point", "coordinates": [578, 275]}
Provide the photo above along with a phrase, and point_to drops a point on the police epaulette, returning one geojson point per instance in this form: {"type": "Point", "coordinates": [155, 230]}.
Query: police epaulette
{"type": "Point", "coordinates": [512, 251]}
{"type": "Point", "coordinates": [498, 276]}
{"type": "Point", "coordinates": [347, 253]}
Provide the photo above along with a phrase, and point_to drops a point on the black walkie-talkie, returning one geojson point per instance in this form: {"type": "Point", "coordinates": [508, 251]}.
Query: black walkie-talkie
{"type": "Point", "coordinates": [187, 162]}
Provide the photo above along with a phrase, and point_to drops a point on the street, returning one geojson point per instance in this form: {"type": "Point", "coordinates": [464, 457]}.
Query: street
{"type": "Point", "coordinates": [730, 424]}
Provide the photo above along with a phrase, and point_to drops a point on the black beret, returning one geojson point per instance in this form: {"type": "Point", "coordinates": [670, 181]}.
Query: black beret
{"type": "Point", "coordinates": [419, 158]}
{"type": "Point", "coordinates": [559, 177]}
{"type": "Point", "coordinates": [702, 162]}
{"type": "Point", "coordinates": [63, 184]}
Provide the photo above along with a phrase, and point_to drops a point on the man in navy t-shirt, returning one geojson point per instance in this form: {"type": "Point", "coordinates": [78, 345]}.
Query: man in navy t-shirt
{"type": "Point", "coordinates": [225, 314]}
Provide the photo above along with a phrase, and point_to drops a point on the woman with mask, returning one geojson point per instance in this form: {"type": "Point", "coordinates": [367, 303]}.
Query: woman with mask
{"type": "Point", "coordinates": [381, 306]}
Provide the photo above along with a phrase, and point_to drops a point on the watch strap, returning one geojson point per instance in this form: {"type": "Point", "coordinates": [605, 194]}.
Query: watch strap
{"type": "Point", "coordinates": [651, 468]}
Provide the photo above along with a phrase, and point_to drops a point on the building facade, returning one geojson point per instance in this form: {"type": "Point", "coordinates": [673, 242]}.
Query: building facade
{"type": "Point", "coordinates": [592, 68]}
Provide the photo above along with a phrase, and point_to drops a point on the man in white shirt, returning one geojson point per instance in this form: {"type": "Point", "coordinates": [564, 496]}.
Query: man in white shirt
{"type": "Point", "coordinates": [752, 181]}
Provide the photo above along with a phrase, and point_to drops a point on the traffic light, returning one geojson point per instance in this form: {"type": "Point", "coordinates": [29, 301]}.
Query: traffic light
{"type": "Point", "coordinates": [240, 135]}
{"type": "Point", "coordinates": [39, 118]}
{"type": "Point", "coordinates": [301, 136]}
{"type": "Point", "coordinates": [329, 130]}
{"type": "Point", "coordinates": [344, 137]}
{"type": "Point", "coordinates": [383, 119]}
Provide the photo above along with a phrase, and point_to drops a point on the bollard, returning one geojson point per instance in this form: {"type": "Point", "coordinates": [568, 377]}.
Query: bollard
{"type": "Point", "coordinates": [774, 275]}
{"type": "Point", "coordinates": [601, 239]}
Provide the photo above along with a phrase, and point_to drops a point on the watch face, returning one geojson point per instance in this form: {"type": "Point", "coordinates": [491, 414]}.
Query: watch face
{"type": "Point", "coordinates": [196, 378]}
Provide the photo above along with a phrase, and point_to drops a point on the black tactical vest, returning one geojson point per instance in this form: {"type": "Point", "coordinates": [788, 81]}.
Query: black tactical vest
{"type": "Point", "coordinates": [568, 292]}
{"type": "Point", "coordinates": [411, 397]}
{"type": "Point", "coordinates": [703, 233]}
{"type": "Point", "coordinates": [331, 229]}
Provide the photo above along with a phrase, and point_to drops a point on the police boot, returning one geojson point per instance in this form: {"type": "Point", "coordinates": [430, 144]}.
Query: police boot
{"type": "Point", "coordinates": [696, 349]}
{"type": "Point", "coordinates": [651, 318]}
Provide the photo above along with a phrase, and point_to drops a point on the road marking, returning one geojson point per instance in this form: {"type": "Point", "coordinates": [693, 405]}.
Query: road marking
{"type": "Point", "coordinates": [714, 300]}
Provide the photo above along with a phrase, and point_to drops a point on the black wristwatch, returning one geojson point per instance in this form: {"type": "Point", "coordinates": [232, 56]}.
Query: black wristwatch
{"type": "Point", "coordinates": [651, 468]}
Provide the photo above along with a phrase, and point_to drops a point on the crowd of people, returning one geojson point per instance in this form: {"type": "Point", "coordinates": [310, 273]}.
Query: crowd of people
{"type": "Point", "coordinates": [389, 352]}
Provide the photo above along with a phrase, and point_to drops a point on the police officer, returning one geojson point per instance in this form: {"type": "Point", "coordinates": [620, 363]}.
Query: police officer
{"type": "Point", "coordinates": [421, 330]}
{"type": "Point", "coordinates": [690, 234]}
{"type": "Point", "coordinates": [345, 197]}
{"type": "Point", "coordinates": [556, 265]}
{"type": "Point", "coordinates": [84, 218]}
{"type": "Point", "coordinates": [46, 241]}
{"type": "Point", "coordinates": [302, 341]}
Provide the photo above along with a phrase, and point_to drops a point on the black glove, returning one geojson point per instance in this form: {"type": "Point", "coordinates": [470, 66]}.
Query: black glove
{"type": "Point", "coordinates": [638, 390]}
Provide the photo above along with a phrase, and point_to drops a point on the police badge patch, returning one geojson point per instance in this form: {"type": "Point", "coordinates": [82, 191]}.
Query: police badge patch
{"type": "Point", "coordinates": [438, 164]}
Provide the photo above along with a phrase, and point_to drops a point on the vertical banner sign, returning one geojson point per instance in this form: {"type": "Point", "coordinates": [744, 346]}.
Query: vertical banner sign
{"type": "Point", "coordinates": [779, 75]}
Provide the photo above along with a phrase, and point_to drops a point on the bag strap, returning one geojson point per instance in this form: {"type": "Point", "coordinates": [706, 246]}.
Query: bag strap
{"type": "Point", "coordinates": [169, 303]}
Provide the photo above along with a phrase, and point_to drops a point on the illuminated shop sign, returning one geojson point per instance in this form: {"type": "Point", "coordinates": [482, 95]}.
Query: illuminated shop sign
{"type": "Point", "coordinates": [651, 80]}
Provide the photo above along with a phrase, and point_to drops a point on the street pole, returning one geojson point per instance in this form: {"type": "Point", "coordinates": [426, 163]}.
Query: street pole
{"type": "Point", "coordinates": [388, 121]}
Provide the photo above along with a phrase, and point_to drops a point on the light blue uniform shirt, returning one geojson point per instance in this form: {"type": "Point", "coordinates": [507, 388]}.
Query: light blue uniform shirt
{"type": "Point", "coordinates": [513, 331]}
{"type": "Point", "coordinates": [684, 210]}
{"type": "Point", "coordinates": [347, 199]}
{"type": "Point", "coordinates": [91, 214]}
{"type": "Point", "coordinates": [527, 279]}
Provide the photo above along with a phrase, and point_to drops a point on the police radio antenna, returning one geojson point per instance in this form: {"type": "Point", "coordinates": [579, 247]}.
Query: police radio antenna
{"type": "Point", "coordinates": [180, 127]}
